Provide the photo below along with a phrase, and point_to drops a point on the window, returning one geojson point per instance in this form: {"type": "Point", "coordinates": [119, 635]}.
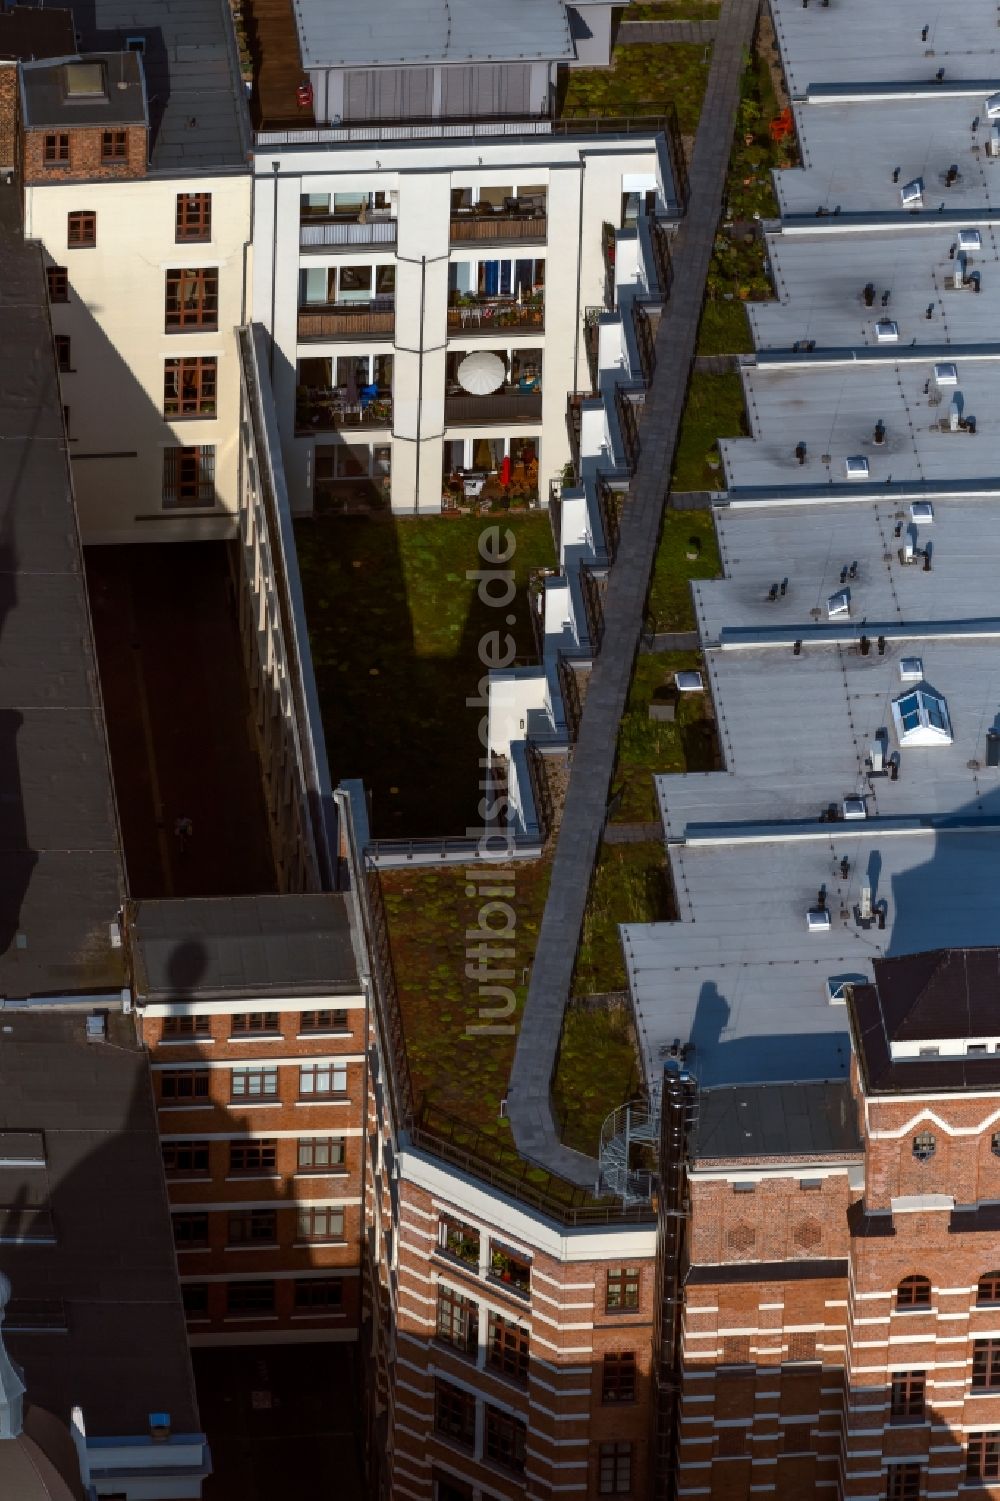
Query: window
{"type": "Point", "coordinates": [195, 1299]}
{"type": "Point", "coordinates": [253, 1227]}
{"type": "Point", "coordinates": [986, 1365]}
{"type": "Point", "coordinates": [995, 1143]}
{"type": "Point", "coordinates": [189, 476]}
{"type": "Point", "coordinates": [988, 1290]}
{"type": "Point", "coordinates": [190, 1231]}
{"type": "Point", "coordinates": [250, 1297]}
{"type": "Point", "coordinates": [58, 282]}
{"type": "Point", "coordinates": [189, 387]}
{"type": "Point", "coordinates": [114, 146]}
{"type": "Point", "coordinates": [457, 1321]}
{"type": "Point", "coordinates": [319, 1292]}
{"type": "Point", "coordinates": [256, 1021]}
{"type": "Point", "coordinates": [323, 1021]}
{"type": "Point", "coordinates": [907, 1395]}
{"type": "Point", "coordinates": [507, 1348]}
{"type": "Point", "coordinates": [510, 1268]}
{"type": "Point", "coordinates": [455, 1414]}
{"type": "Point", "coordinates": [622, 1290]}
{"type": "Point", "coordinates": [320, 1153]}
{"type": "Point", "coordinates": [187, 1026]}
{"type": "Point", "coordinates": [254, 1083]}
{"type": "Point", "coordinates": [194, 216]}
{"type": "Point", "coordinates": [902, 1482]}
{"type": "Point", "coordinates": [921, 718]}
{"type": "Point", "coordinates": [322, 1079]}
{"type": "Point", "coordinates": [192, 299]}
{"type": "Point", "coordinates": [505, 1439]}
{"type": "Point", "coordinates": [618, 1384]}
{"type": "Point", "coordinates": [318, 1224]}
{"type": "Point", "coordinates": [63, 354]}
{"type": "Point", "coordinates": [614, 1469]}
{"type": "Point", "coordinates": [184, 1084]}
{"type": "Point", "coordinates": [81, 229]}
{"type": "Point", "coordinates": [924, 1145]}
{"type": "Point", "coordinates": [185, 1157]}
{"type": "Point", "coordinates": [55, 150]}
{"type": "Point", "coordinates": [460, 1241]}
{"type": "Point", "coordinates": [914, 1292]}
{"type": "Point", "coordinates": [253, 1156]}
{"type": "Point", "coordinates": [982, 1459]}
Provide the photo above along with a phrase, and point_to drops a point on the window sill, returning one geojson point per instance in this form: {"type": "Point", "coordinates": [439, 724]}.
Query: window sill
{"type": "Point", "coordinates": [471, 1268]}
{"type": "Point", "coordinates": [320, 1313]}
{"type": "Point", "coordinates": [205, 1105]}
{"type": "Point", "coordinates": [192, 239]}
{"type": "Point", "coordinates": [183, 1042]}
{"type": "Point", "coordinates": [192, 328]}
{"type": "Point", "coordinates": [252, 1177]}
{"type": "Point", "coordinates": [305, 1245]}
{"type": "Point", "coordinates": [318, 1036]}
{"type": "Point", "coordinates": [468, 1357]}
{"type": "Point", "coordinates": [253, 1104]}
{"type": "Point", "coordinates": [250, 1318]}
{"type": "Point", "coordinates": [322, 1172]}
{"type": "Point", "coordinates": [191, 1250]}
{"type": "Point", "coordinates": [523, 1294]}
{"type": "Point", "coordinates": [333, 1099]}
{"type": "Point", "coordinates": [190, 1178]}
{"type": "Point", "coordinates": [263, 1245]}
{"type": "Point", "coordinates": [257, 1037]}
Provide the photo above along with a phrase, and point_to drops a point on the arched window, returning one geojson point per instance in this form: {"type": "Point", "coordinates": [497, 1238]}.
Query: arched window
{"type": "Point", "coordinates": [995, 1143]}
{"type": "Point", "coordinates": [924, 1145]}
{"type": "Point", "coordinates": [914, 1292]}
{"type": "Point", "coordinates": [988, 1290]}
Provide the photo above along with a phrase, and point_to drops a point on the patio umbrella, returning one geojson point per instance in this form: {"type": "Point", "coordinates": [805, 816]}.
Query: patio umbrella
{"type": "Point", "coordinates": [481, 373]}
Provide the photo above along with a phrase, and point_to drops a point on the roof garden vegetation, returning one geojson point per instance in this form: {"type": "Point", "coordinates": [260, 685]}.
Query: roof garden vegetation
{"type": "Point", "coordinates": [674, 10]}
{"type": "Point", "coordinates": [629, 884]}
{"type": "Point", "coordinates": [395, 626]}
{"type": "Point", "coordinates": [714, 409]}
{"type": "Point", "coordinates": [648, 746]}
{"type": "Point", "coordinates": [688, 549]}
{"type": "Point", "coordinates": [643, 79]}
{"type": "Point", "coordinates": [597, 1062]}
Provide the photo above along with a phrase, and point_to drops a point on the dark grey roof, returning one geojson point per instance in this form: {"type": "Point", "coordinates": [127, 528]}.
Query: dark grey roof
{"type": "Point", "coordinates": [339, 33]}
{"type": "Point", "coordinates": [61, 882]}
{"type": "Point", "coordinates": [112, 1270]}
{"type": "Point", "coordinates": [26, 32]}
{"type": "Point", "coordinates": [816, 1119]}
{"type": "Point", "coordinates": [250, 945]}
{"type": "Point", "coordinates": [765, 1271]}
{"type": "Point", "coordinates": [47, 100]}
{"type": "Point", "coordinates": [197, 104]}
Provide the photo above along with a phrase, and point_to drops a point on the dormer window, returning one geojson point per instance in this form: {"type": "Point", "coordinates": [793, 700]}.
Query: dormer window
{"type": "Point", "coordinates": [84, 80]}
{"type": "Point", "coordinates": [921, 718]}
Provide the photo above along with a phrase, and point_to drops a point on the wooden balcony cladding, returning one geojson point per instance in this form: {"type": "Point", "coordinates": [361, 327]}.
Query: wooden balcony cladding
{"type": "Point", "coordinates": [490, 315]}
{"type": "Point", "coordinates": [498, 229]}
{"type": "Point", "coordinates": [499, 409]}
{"type": "Point", "coordinates": [358, 320]}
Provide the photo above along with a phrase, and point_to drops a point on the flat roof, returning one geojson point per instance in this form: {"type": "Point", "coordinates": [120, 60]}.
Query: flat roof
{"type": "Point", "coordinates": [97, 1274]}
{"type": "Point", "coordinates": [197, 102]}
{"type": "Point", "coordinates": [336, 34]}
{"type": "Point", "coordinates": [27, 31]}
{"type": "Point", "coordinates": [855, 41]}
{"type": "Point", "coordinates": [821, 290]}
{"type": "Point", "coordinates": [776, 1120]}
{"type": "Point", "coordinates": [102, 88]}
{"type": "Point", "coordinates": [242, 946]}
{"type": "Point", "coordinates": [61, 879]}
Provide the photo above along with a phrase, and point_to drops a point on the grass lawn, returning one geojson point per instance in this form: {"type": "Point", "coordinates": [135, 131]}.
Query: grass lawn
{"type": "Point", "coordinates": [724, 327]}
{"type": "Point", "coordinates": [674, 10]}
{"type": "Point", "coordinates": [428, 912]}
{"type": "Point", "coordinates": [647, 746]}
{"type": "Point", "coordinates": [714, 409]}
{"type": "Point", "coordinates": [597, 1063]}
{"type": "Point", "coordinates": [629, 885]}
{"type": "Point", "coordinates": [683, 532]}
{"type": "Point", "coordinates": [395, 627]}
{"type": "Point", "coordinates": [642, 79]}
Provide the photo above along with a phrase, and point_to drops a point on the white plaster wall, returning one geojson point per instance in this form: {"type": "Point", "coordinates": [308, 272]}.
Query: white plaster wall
{"type": "Point", "coordinates": [115, 321]}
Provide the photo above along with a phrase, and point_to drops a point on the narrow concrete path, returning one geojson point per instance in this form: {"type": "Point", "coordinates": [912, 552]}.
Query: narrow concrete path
{"type": "Point", "coordinates": [666, 31]}
{"type": "Point", "coordinates": [529, 1103]}
{"type": "Point", "coordinates": [633, 833]}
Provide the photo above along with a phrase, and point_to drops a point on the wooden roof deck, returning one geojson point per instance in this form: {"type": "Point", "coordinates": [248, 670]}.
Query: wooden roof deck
{"type": "Point", "coordinates": [274, 46]}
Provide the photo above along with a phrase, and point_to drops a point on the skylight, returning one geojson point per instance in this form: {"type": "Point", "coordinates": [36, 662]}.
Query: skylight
{"type": "Point", "coordinates": [921, 718]}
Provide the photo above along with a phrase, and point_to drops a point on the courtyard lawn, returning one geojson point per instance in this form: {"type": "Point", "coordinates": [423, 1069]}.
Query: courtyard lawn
{"type": "Point", "coordinates": [395, 627]}
{"type": "Point", "coordinates": [670, 605]}
{"type": "Point", "coordinates": [714, 409]}
{"type": "Point", "coordinates": [647, 746]}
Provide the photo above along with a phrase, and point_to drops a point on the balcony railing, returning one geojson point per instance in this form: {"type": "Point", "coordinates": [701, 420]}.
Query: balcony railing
{"type": "Point", "coordinates": [353, 320]}
{"type": "Point", "coordinates": [628, 421]}
{"type": "Point", "coordinates": [501, 408]}
{"type": "Point", "coordinates": [480, 228]}
{"type": "Point", "coordinates": [325, 411]}
{"type": "Point", "coordinates": [327, 234]}
{"type": "Point", "coordinates": [487, 315]}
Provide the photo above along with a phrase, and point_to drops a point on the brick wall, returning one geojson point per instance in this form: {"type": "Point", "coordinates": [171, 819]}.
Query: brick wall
{"type": "Point", "coordinates": [8, 114]}
{"type": "Point", "coordinates": [85, 164]}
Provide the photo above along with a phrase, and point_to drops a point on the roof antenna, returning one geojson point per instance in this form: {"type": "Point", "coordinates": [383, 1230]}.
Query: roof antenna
{"type": "Point", "coordinates": [12, 1387]}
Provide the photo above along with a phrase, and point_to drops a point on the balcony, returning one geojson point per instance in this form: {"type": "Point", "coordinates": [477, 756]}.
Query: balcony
{"type": "Point", "coordinates": [502, 408]}
{"type": "Point", "coordinates": [518, 223]}
{"type": "Point", "coordinates": [348, 320]}
{"type": "Point", "coordinates": [490, 315]}
{"type": "Point", "coordinates": [319, 409]}
{"type": "Point", "coordinates": [330, 233]}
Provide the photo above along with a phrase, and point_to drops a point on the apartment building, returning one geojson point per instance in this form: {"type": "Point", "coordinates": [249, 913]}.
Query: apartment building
{"type": "Point", "coordinates": [425, 257]}
{"type": "Point", "coordinates": [254, 1020]}
{"type": "Point", "coordinates": [133, 160]}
